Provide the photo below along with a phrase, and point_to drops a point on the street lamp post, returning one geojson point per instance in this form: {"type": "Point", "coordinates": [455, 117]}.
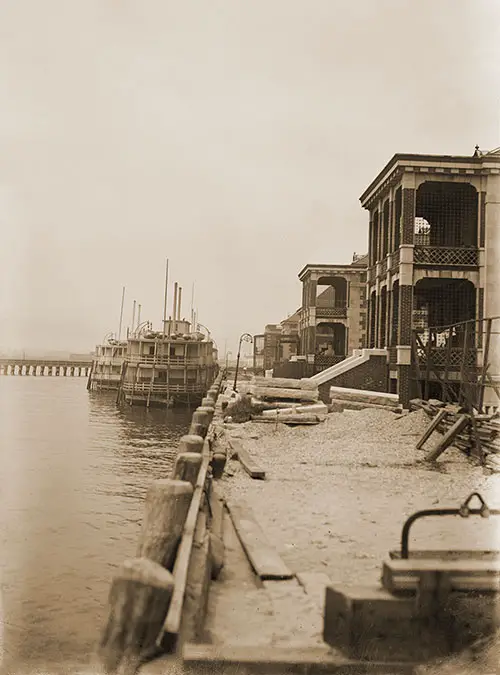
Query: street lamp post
{"type": "Point", "coordinates": [245, 337]}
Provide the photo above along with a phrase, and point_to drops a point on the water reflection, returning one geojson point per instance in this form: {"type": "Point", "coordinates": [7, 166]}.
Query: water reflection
{"type": "Point", "coordinates": [75, 469]}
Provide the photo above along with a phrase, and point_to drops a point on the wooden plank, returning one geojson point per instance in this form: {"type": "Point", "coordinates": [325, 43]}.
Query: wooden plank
{"type": "Point", "coordinates": [297, 420]}
{"type": "Point", "coordinates": [448, 438]}
{"type": "Point", "coordinates": [253, 469]}
{"type": "Point", "coordinates": [464, 575]}
{"type": "Point", "coordinates": [437, 554]}
{"type": "Point", "coordinates": [285, 394]}
{"type": "Point", "coordinates": [432, 426]}
{"type": "Point", "coordinates": [264, 559]}
{"type": "Point", "coordinates": [181, 566]}
{"type": "Point", "coordinates": [291, 659]}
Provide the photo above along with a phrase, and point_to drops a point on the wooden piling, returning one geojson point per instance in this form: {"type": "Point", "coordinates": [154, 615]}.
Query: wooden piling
{"type": "Point", "coordinates": [191, 443]}
{"type": "Point", "coordinates": [139, 600]}
{"type": "Point", "coordinates": [187, 466]}
{"type": "Point", "coordinates": [166, 507]}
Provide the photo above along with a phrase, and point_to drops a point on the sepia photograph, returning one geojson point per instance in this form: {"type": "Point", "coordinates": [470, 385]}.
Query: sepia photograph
{"type": "Point", "coordinates": [249, 337]}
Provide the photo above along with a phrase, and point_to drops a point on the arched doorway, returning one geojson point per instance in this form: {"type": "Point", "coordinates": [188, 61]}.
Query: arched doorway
{"type": "Point", "coordinates": [331, 292]}
{"type": "Point", "coordinates": [330, 339]}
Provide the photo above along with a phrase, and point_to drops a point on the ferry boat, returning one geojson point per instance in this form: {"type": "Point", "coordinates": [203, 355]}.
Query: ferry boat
{"type": "Point", "coordinates": [107, 366]}
{"type": "Point", "coordinates": [173, 367]}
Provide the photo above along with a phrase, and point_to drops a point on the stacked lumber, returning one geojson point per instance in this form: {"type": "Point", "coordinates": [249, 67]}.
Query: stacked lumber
{"type": "Point", "coordinates": [280, 389]}
{"type": "Point", "coordinates": [287, 400]}
{"type": "Point", "coordinates": [343, 398]}
{"type": "Point", "coordinates": [487, 428]}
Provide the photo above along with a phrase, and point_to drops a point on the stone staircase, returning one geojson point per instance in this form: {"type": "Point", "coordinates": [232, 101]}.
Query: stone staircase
{"type": "Point", "coordinates": [364, 369]}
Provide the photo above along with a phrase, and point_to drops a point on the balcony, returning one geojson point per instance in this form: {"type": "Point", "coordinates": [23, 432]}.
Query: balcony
{"type": "Point", "coordinates": [331, 312]}
{"type": "Point", "coordinates": [446, 256]}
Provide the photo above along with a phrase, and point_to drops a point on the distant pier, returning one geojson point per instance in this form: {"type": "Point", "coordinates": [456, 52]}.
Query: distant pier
{"type": "Point", "coordinates": [45, 367]}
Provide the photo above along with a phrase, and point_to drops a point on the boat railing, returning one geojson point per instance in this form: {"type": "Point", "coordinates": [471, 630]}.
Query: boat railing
{"type": "Point", "coordinates": [146, 388]}
{"type": "Point", "coordinates": [164, 360]}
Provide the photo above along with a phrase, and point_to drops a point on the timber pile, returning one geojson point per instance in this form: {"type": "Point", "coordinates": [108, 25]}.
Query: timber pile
{"type": "Point", "coordinates": [287, 400]}
{"type": "Point", "coordinates": [487, 429]}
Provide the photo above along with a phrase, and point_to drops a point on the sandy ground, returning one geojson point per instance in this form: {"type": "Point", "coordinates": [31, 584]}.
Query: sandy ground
{"type": "Point", "coordinates": [333, 503]}
{"type": "Point", "coordinates": [336, 495]}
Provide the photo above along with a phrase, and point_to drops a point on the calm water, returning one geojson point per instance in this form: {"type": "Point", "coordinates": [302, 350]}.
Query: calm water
{"type": "Point", "coordinates": [74, 473]}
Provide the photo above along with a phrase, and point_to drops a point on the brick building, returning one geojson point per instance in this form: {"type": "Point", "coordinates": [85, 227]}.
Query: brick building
{"type": "Point", "coordinates": [333, 313]}
{"type": "Point", "coordinates": [277, 344]}
{"type": "Point", "coordinates": [434, 253]}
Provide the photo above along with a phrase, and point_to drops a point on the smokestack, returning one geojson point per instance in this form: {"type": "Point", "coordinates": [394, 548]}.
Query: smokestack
{"type": "Point", "coordinates": [179, 307]}
{"type": "Point", "coordinates": [174, 310]}
{"type": "Point", "coordinates": [133, 318]}
{"type": "Point", "coordinates": [139, 316]}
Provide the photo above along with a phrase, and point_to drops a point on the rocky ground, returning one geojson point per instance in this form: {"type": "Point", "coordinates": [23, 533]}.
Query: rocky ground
{"type": "Point", "coordinates": [334, 501]}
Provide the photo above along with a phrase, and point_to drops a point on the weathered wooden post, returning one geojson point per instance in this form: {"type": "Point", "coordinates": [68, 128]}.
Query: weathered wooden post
{"type": "Point", "coordinates": [200, 423]}
{"type": "Point", "coordinates": [167, 504]}
{"type": "Point", "coordinates": [139, 600]}
{"type": "Point", "coordinates": [191, 443]}
{"type": "Point", "coordinates": [187, 467]}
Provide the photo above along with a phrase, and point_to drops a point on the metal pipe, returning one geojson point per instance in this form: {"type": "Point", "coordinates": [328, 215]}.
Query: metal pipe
{"type": "Point", "coordinates": [464, 511]}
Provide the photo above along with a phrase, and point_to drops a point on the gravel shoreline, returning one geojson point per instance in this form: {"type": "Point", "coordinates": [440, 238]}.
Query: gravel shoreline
{"type": "Point", "coordinates": [336, 494]}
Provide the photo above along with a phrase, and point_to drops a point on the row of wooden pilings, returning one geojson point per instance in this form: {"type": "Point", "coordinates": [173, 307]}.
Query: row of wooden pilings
{"type": "Point", "coordinates": [148, 614]}
{"type": "Point", "coordinates": [45, 371]}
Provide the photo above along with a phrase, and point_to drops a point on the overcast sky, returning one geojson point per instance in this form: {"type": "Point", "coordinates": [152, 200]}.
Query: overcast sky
{"type": "Point", "coordinates": [232, 136]}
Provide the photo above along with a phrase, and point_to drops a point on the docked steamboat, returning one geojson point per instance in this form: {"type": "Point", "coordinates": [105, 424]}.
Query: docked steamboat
{"type": "Point", "coordinates": [168, 368]}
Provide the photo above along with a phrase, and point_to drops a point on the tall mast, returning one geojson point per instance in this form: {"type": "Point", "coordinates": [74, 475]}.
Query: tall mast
{"type": "Point", "coordinates": [165, 300]}
{"type": "Point", "coordinates": [121, 314]}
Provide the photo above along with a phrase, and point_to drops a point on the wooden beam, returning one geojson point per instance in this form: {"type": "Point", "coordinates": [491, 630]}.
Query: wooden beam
{"type": "Point", "coordinates": [276, 658]}
{"type": "Point", "coordinates": [180, 571]}
{"type": "Point", "coordinates": [464, 575]}
{"type": "Point", "coordinates": [253, 469]}
{"type": "Point", "coordinates": [264, 559]}
{"type": "Point", "coordinates": [448, 438]}
{"type": "Point", "coordinates": [432, 426]}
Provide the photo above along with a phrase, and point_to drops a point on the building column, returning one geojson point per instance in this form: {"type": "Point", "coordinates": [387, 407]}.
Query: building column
{"type": "Point", "coordinates": [492, 275]}
{"type": "Point", "coordinates": [404, 340]}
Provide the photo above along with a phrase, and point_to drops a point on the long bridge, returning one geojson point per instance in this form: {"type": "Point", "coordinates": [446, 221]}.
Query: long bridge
{"type": "Point", "coordinates": [46, 367]}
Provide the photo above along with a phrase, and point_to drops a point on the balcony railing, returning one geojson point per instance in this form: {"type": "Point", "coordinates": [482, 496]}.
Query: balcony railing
{"type": "Point", "coordinates": [159, 360]}
{"type": "Point", "coordinates": [447, 256]}
{"type": "Point", "coordinates": [395, 258]}
{"type": "Point", "coordinates": [322, 361]}
{"type": "Point", "coordinates": [331, 312]}
{"type": "Point", "coordinates": [383, 268]}
{"type": "Point", "coordinates": [146, 388]}
{"type": "Point", "coordinates": [455, 358]}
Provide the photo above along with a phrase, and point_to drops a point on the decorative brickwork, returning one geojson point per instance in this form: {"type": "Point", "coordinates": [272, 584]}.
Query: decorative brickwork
{"type": "Point", "coordinates": [482, 219]}
{"type": "Point", "coordinates": [480, 315]}
{"type": "Point", "coordinates": [405, 314]}
{"type": "Point", "coordinates": [408, 216]}
{"type": "Point", "coordinates": [388, 322]}
{"type": "Point", "coordinates": [404, 384]}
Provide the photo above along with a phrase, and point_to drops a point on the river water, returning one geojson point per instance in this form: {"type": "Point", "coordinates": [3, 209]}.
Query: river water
{"type": "Point", "coordinates": [74, 472]}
